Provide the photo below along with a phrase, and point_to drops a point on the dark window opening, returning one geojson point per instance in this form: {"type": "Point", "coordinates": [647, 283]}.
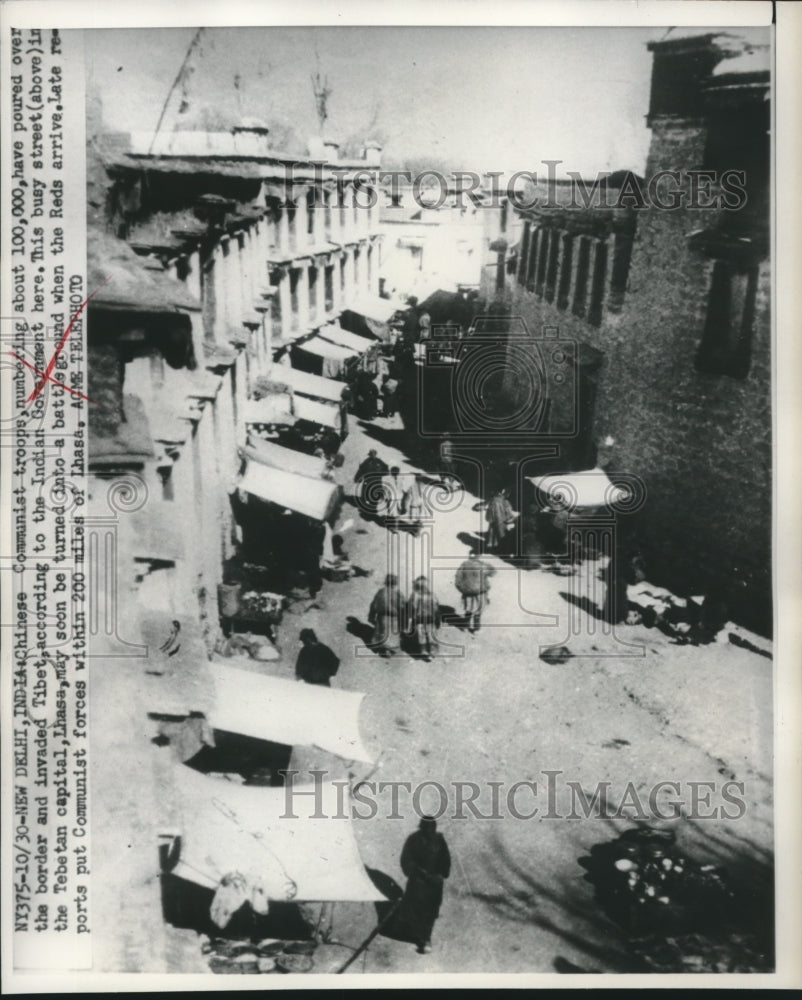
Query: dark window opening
{"type": "Point", "coordinates": [294, 279]}
{"type": "Point", "coordinates": [329, 288]}
{"type": "Point", "coordinates": [292, 211]}
{"type": "Point", "coordinates": [166, 476]}
{"type": "Point", "coordinates": [738, 140]}
{"type": "Point", "coordinates": [582, 273]}
{"type": "Point", "coordinates": [531, 267]}
{"type": "Point", "coordinates": [523, 261]}
{"type": "Point", "coordinates": [564, 291]}
{"type": "Point", "coordinates": [726, 345]}
{"type": "Point", "coordinates": [677, 81]}
{"type": "Point", "coordinates": [622, 256]}
{"type": "Point", "coordinates": [504, 208]}
{"type": "Point", "coordinates": [310, 212]}
{"type": "Point", "coordinates": [313, 291]}
{"type": "Point", "coordinates": [543, 256]}
{"type": "Point", "coordinates": [327, 214]}
{"type": "Point", "coordinates": [553, 264]}
{"type": "Point", "coordinates": [597, 286]}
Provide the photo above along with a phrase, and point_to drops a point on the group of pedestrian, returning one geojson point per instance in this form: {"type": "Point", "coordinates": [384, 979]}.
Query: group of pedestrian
{"type": "Point", "coordinates": [399, 622]}
{"type": "Point", "coordinates": [382, 490]}
{"type": "Point", "coordinates": [370, 400]}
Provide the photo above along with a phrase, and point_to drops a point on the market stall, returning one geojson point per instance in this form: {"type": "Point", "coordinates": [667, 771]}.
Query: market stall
{"type": "Point", "coordinates": [367, 348]}
{"type": "Point", "coordinates": [557, 497]}
{"type": "Point", "coordinates": [370, 316]}
{"type": "Point", "coordinates": [233, 854]}
{"type": "Point", "coordinates": [275, 457]}
{"type": "Point", "coordinates": [322, 357]}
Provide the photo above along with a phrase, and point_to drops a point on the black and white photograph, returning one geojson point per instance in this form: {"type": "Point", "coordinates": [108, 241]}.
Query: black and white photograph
{"type": "Point", "coordinates": [420, 396]}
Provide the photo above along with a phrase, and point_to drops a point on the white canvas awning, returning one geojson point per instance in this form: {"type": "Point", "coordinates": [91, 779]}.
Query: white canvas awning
{"type": "Point", "coordinates": [374, 307]}
{"type": "Point", "coordinates": [335, 333]}
{"type": "Point", "coordinates": [273, 455]}
{"type": "Point", "coordinates": [326, 349]}
{"type": "Point", "coordinates": [580, 489]}
{"type": "Point", "coordinates": [284, 711]}
{"type": "Point", "coordinates": [324, 414]}
{"type": "Point", "coordinates": [316, 499]}
{"type": "Point", "coordinates": [270, 836]}
{"type": "Point", "coordinates": [272, 409]}
{"type": "Point", "coordinates": [309, 385]}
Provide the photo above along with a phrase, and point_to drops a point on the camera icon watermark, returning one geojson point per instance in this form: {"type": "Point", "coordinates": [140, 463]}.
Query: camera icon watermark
{"type": "Point", "coordinates": [500, 383]}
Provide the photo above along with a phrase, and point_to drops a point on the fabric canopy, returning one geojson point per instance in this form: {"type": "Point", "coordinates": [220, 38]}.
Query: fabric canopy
{"type": "Point", "coordinates": [326, 349]}
{"type": "Point", "coordinates": [270, 835]}
{"type": "Point", "coordinates": [273, 409]}
{"type": "Point", "coordinates": [324, 414]}
{"type": "Point", "coordinates": [309, 385]}
{"type": "Point", "coordinates": [373, 307]}
{"type": "Point", "coordinates": [580, 489]}
{"type": "Point", "coordinates": [335, 333]}
{"type": "Point", "coordinates": [287, 489]}
{"type": "Point", "coordinates": [268, 453]}
{"type": "Point", "coordinates": [283, 711]}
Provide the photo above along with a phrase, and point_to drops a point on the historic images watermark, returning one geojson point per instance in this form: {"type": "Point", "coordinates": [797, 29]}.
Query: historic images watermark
{"type": "Point", "coordinates": [551, 795]}
{"type": "Point", "coordinates": [664, 190]}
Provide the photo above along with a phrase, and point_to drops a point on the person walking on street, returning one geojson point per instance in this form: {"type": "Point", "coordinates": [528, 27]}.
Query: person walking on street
{"type": "Point", "coordinates": [413, 501]}
{"type": "Point", "coordinates": [393, 488]}
{"type": "Point", "coordinates": [389, 389]}
{"type": "Point", "coordinates": [424, 618]}
{"type": "Point", "coordinates": [368, 479]}
{"type": "Point", "coordinates": [424, 327]}
{"type": "Point", "coordinates": [473, 583]}
{"type": "Point", "coordinates": [447, 463]}
{"type": "Point", "coordinates": [426, 862]}
{"type": "Point", "coordinates": [316, 663]}
{"type": "Point", "coordinates": [500, 518]}
{"type": "Point", "coordinates": [386, 615]}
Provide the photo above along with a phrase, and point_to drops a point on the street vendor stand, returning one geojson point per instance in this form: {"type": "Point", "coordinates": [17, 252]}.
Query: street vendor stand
{"type": "Point", "coordinates": [371, 316]}
{"type": "Point", "coordinates": [240, 858]}
{"type": "Point", "coordinates": [283, 515]}
{"type": "Point", "coordinates": [558, 496]}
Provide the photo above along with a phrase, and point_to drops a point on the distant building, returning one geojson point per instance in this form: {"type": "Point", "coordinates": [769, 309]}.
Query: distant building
{"type": "Point", "coordinates": [432, 239]}
{"type": "Point", "coordinates": [663, 315]}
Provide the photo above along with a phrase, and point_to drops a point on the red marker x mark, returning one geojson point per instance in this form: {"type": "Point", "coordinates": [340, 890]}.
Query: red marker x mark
{"type": "Point", "coordinates": [55, 381]}
{"type": "Point", "coordinates": [46, 374]}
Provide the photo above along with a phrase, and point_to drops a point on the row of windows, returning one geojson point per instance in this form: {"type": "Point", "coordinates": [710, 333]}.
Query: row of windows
{"type": "Point", "coordinates": [572, 269]}
{"type": "Point", "coordinates": [328, 287]}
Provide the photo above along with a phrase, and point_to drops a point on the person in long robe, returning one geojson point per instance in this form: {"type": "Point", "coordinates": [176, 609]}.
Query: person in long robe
{"type": "Point", "coordinates": [499, 516]}
{"type": "Point", "coordinates": [423, 611]}
{"type": "Point", "coordinates": [386, 615]}
{"type": "Point", "coordinates": [426, 862]}
{"type": "Point", "coordinates": [413, 503]}
{"type": "Point", "coordinates": [389, 389]}
{"type": "Point", "coordinates": [393, 498]}
{"type": "Point", "coordinates": [447, 464]}
{"type": "Point", "coordinates": [316, 663]}
{"type": "Point", "coordinates": [368, 479]}
{"type": "Point", "coordinates": [473, 583]}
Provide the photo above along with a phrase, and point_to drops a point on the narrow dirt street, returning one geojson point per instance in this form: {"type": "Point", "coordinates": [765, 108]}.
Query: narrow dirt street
{"type": "Point", "coordinates": [488, 709]}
